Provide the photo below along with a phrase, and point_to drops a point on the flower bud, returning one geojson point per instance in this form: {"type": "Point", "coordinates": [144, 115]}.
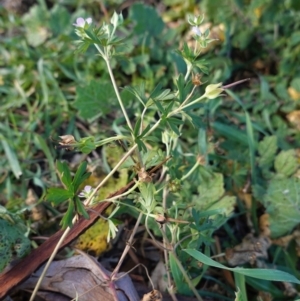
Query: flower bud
{"type": "Point", "coordinates": [212, 91]}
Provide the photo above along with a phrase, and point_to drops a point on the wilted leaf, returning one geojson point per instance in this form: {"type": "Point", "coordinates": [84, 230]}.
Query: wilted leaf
{"type": "Point", "coordinates": [294, 89]}
{"type": "Point", "coordinates": [154, 295]}
{"type": "Point", "coordinates": [294, 118]}
{"type": "Point", "coordinates": [88, 278]}
{"type": "Point", "coordinates": [249, 250]}
{"type": "Point", "coordinates": [94, 239]}
{"type": "Point", "coordinates": [36, 25]}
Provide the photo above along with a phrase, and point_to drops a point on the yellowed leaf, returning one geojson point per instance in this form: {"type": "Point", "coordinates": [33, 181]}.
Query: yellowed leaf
{"type": "Point", "coordinates": [294, 94]}
{"type": "Point", "coordinates": [264, 225]}
{"type": "Point", "coordinates": [294, 118]}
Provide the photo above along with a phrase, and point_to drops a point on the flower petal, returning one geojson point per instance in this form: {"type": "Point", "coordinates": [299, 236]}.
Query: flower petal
{"type": "Point", "coordinates": [79, 22]}
{"type": "Point", "coordinates": [88, 20]}
{"type": "Point", "coordinates": [196, 31]}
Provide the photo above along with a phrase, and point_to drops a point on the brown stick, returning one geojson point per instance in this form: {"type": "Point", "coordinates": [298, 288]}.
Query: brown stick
{"type": "Point", "coordinates": [22, 270]}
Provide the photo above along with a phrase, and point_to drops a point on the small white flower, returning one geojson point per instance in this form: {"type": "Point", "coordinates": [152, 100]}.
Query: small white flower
{"type": "Point", "coordinates": [80, 22]}
{"type": "Point", "coordinates": [85, 192]}
{"type": "Point", "coordinates": [196, 31]}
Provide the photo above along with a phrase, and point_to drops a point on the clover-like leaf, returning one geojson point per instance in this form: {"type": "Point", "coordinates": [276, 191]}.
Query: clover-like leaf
{"type": "Point", "coordinates": [13, 243]}
{"type": "Point", "coordinates": [267, 149]}
{"type": "Point", "coordinates": [282, 201]}
{"type": "Point", "coordinates": [94, 99]}
{"type": "Point", "coordinates": [286, 163]}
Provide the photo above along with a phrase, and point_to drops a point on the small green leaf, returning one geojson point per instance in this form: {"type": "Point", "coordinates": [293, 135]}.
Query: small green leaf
{"type": "Point", "coordinates": [266, 274]}
{"type": "Point", "coordinates": [80, 176]}
{"type": "Point", "coordinates": [66, 221]}
{"type": "Point", "coordinates": [145, 131]}
{"type": "Point", "coordinates": [202, 65]}
{"type": "Point", "coordinates": [80, 208]}
{"type": "Point", "coordinates": [174, 123]}
{"type": "Point", "coordinates": [64, 174]}
{"type": "Point", "coordinates": [252, 145]}
{"type": "Point", "coordinates": [137, 127]}
{"type": "Point", "coordinates": [267, 149]}
{"type": "Point", "coordinates": [87, 144]}
{"type": "Point", "coordinates": [141, 145]}
{"type": "Point", "coordinates": [58, 195]}
{"type": "Point", "coordinates": [180, 82]}
{"type": "Point", "coordinates": [93, 36]}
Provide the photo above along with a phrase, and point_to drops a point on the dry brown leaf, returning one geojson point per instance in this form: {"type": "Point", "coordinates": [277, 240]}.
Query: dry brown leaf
{"type": "Point", "coordinates": [264, 296]}
{"type": "Point", "coordinates": [37, 212]}
{"type": "Point", "coordinates": [158, 277]}
{"type": "Point", "coordinates": [289, 290]}
{"type": "Point", "coordinates": [66, 141]}
{"type": "Point", "coordinates": [247, 199]}
{"type": "Point", "coordinates": [82, 276]}
{"type": "Point", "coordinates": [249, 250]}
{"type": "Point", "coordinates": [294, 118]}
{"type": "Point", "coordinates": [297, 240]}
{"type": "Point", "coordinates": [283, 241]}
{"type": "Point", "coordinates": [294, 94]}
{"type": "Point", "coordinates": [264, 225]}
{"type": "Point", "coordinates": [154, 295]}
